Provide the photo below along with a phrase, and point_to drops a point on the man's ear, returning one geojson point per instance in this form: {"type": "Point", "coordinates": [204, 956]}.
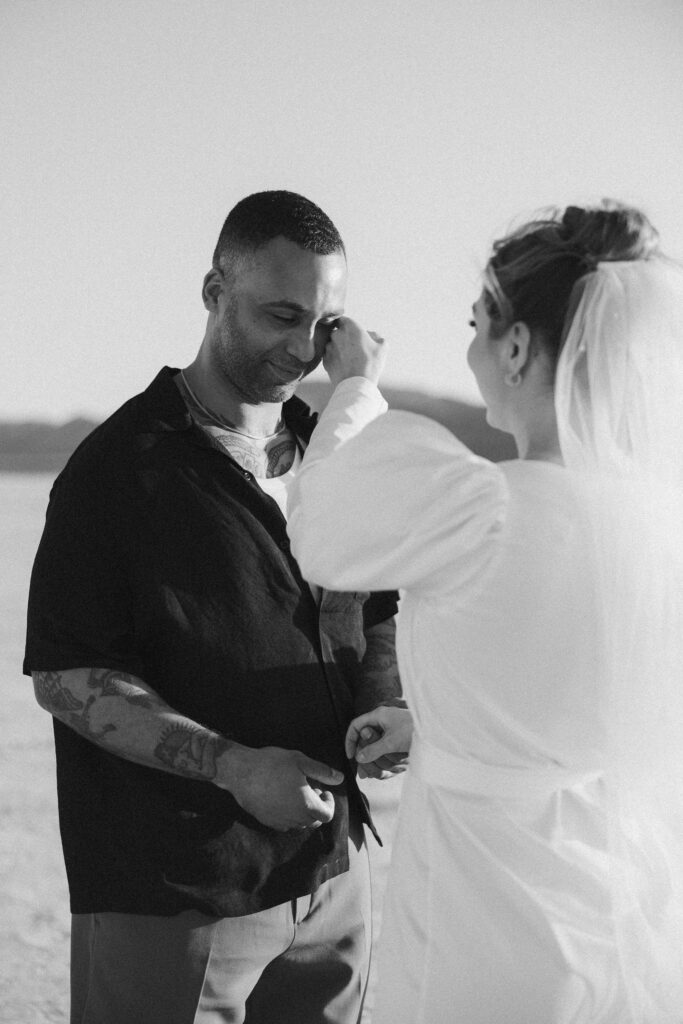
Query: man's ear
{"type": "Point", "coordinates": [211, 289]}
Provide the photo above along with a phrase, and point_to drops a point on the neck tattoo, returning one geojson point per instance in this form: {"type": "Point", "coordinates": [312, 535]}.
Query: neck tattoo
{"type": "Point", "coordinates": [223, 424]}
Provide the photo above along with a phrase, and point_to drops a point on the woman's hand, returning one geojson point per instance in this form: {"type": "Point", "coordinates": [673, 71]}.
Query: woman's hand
{"type": "Point", "coordinates": [381, 740]}
{"type": "Point", "coordinates": [383, 767]}
{"type": "Point", "coordinates": [353, 352]}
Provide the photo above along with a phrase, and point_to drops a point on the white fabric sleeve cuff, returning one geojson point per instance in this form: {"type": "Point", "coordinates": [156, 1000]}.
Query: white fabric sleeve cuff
{"type": "Point", "coordinates": [355, 402]}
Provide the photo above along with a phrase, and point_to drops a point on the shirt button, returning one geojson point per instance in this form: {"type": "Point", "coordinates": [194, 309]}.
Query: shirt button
{"type": "Point", "coordinates": [284, 544]}
{"type": "Point", "coordinates": [246, 474]}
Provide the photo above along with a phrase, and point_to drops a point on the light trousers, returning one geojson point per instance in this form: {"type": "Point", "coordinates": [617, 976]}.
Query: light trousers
{"type": "Point", "coordinates": [302, 962]}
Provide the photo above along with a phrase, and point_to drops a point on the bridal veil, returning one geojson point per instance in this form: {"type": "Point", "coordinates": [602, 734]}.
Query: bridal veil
{"type": "Point", "coordinates": [619, 403]}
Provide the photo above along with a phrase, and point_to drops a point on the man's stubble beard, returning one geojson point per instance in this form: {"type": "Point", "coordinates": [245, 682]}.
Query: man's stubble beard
{"type": "Point", "coordinates": [240, 369]}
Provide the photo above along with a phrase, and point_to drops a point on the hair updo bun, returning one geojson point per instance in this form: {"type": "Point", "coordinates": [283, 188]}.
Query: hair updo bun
{"type": "Point", "coordinates": [532, 271]}
{"type": "Point", "coordinates": [609, 233]}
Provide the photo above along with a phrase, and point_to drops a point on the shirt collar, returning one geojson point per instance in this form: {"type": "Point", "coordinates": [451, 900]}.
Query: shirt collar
{"type": "Point", "coordinates": [167, 410]}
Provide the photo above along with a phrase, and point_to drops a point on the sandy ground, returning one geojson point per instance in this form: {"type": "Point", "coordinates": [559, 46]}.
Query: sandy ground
{"type": "Point", "coordinates": [34, 917]}
{"type": "Point", "coordinates": [34, 926]}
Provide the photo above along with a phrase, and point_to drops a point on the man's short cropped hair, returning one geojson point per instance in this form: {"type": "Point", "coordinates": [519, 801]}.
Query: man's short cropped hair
{"type": "Point", "coordinates": [263, 216]}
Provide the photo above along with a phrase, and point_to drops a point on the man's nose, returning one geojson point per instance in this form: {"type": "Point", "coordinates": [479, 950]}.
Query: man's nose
{"type": "Point", "coordinates": [303, 343]}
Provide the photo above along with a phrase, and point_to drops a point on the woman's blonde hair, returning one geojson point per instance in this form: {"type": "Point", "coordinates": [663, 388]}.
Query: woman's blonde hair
{"type": "Point", "coordinates": [532, 271]}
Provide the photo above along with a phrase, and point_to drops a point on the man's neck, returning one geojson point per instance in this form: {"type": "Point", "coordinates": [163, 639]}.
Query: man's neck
{"type": "Point", "coordinates": [225, 407]}
{"type": "Point", "coordinates": [264, 456]}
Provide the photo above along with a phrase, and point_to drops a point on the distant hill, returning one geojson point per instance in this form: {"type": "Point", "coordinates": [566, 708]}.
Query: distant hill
{"type": "Point", "coordinates": [467, 422]}
{"type": "Point", "coordinates": [34, 447]}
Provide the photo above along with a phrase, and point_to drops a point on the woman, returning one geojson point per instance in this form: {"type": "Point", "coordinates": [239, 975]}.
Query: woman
{"type": "Point", "coordinates": [538, 858]}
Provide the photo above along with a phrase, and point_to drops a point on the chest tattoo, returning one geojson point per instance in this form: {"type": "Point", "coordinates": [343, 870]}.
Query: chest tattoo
{"type": "Point", "coordinates": [272, 459]}
{"type": "Point", "coordinates": [269, 457]}
{"type": "Point", "coordinates": [280, 455]}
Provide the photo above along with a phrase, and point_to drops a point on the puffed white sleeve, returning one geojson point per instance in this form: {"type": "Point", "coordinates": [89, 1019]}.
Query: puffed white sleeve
{"type": "Point", "coordinates": [391, 500]}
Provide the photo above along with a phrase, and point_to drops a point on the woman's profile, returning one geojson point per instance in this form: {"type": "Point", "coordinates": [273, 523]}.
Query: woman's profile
{"type": "Point", "coordinates": [537, 874]}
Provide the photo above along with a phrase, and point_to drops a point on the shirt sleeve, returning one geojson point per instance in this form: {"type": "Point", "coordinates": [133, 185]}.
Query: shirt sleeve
{"type": "Point", "coordinates": [388, 500]}
{"type": "Point", "coordinates": [378, 607]}
{"type": "Point", "coordinates": [79, 610]}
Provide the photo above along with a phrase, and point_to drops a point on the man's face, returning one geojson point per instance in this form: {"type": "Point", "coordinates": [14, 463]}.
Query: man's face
{"type": "Point", "coordinates": [274, 316]}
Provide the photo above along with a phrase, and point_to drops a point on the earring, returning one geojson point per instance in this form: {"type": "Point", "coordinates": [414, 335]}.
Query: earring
{"type": "Point", "coordinates": [513, 380]}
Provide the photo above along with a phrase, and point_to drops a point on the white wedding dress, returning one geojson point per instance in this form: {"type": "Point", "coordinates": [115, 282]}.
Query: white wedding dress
{"type": "Point", "coordinates": [503, 902]}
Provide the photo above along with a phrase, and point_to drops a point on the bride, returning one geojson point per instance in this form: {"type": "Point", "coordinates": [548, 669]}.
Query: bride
{"type": "Point", "coordinates": [537, 875]}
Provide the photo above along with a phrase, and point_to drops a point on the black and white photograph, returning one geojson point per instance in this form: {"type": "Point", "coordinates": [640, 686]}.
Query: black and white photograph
{"type": "Point", "coordinates": [341, 512]}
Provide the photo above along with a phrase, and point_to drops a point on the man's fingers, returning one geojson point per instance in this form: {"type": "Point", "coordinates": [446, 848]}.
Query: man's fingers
{"type": "Point", "coordinates": [320, 772]}
{"type": "Point", "coordinates": [323, 809]}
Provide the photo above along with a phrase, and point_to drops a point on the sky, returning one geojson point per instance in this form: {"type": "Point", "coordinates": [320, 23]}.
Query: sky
{"type": "Point", "coordinates": [424, 129]}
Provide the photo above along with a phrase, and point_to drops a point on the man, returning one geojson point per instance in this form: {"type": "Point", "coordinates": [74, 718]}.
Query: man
{"type": "Point", "coordinates": [211, 824]}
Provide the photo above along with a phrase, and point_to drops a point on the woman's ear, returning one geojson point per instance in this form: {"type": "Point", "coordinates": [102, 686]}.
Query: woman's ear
{"type": "Point", "coordinates": [516, 353]}
{"type": "Point", "coordinates": [211, 289]}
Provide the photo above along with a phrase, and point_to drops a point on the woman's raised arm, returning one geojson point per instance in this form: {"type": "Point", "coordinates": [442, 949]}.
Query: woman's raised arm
{"type": "Point", "coordinates": [387, 500]}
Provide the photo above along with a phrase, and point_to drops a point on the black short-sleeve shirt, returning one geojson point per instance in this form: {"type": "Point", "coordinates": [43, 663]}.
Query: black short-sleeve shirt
{"type": "Point", "coordinates": [162, 557]}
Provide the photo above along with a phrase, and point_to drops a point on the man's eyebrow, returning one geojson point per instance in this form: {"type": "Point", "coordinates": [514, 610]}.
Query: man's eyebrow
{"type": "Point", "coordinates": [287, 303]}
{"type": "Point", "coordinates": [296, 307]}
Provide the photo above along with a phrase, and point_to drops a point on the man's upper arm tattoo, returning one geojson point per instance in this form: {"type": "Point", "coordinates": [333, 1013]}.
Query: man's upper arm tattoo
{"type": "Point", "coordinates": [53, 695]}
{"type": "Point", "coordinates": [58, 699]}
{"type": "Point", "coordinates": [118, 684]}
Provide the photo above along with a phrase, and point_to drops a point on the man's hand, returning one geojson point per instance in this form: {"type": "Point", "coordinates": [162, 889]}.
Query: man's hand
{"type": "Point", "coordinates": [380, 741]}
{"type": "Point", "coordinates": [353, 352]}
{"type": "Point", "coordinates": [278, 788]}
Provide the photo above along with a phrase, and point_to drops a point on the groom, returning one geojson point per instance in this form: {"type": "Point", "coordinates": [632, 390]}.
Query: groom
{"type": "Point", "coordinates": [211, 823]}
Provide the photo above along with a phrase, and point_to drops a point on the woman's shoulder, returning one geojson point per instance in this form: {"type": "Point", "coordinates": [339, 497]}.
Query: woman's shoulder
{"type": "Point", "coordinates": [400, 504]}
{"type": "Point", "coordinates": [422, 434]}
{"type": "Point", "coordinates": [544, 500]}
{"type": "Point", "coordinates": [537, 477]}
{"type": "Point", "coordinates": [433, 461]}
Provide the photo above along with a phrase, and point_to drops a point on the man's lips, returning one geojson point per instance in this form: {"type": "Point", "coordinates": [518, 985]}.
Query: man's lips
{"type": "Point", "coordinates": [287, 373]}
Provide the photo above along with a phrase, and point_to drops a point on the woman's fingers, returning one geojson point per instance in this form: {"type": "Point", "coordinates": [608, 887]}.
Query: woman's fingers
{"type": "Point", "coordinates": [368, 723]}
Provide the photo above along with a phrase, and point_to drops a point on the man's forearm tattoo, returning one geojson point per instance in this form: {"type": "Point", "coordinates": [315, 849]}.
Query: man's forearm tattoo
{"type": "Point", "coordinates": [182, 747]}
{"type": "Point", "coordinates": [380, 668]}
{"type": "Point", "coordinates": [381, 656]}
{"type": "Point", "coordinates": [190, 751]}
